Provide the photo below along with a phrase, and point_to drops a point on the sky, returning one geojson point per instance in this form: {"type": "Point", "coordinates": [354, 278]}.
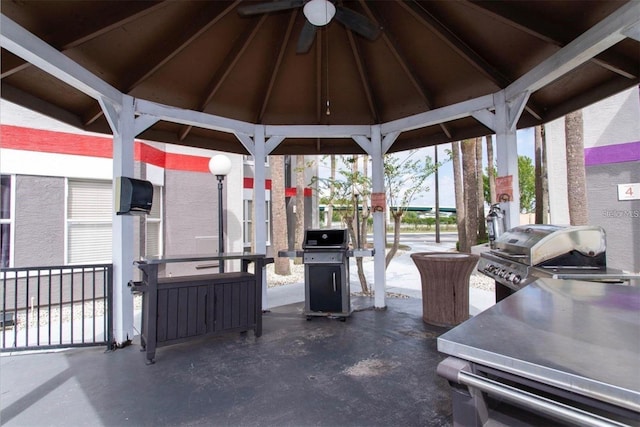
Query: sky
{"type": "Point", "coordinates": [525, 139]}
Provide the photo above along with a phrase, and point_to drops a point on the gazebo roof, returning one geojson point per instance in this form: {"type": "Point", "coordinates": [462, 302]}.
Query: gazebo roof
{"type": "Point", "coordinates": [205, 56]}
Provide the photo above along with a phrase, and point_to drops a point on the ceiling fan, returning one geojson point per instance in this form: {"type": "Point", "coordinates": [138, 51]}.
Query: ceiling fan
{"type": "Point", "coordinates": [318, 13]}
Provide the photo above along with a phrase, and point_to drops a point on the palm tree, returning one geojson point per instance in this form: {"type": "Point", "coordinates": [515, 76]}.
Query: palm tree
{"type": "Point", "coordinates": [470, 186]}
{"type": "Point", "coordinates": [279, 218]}
{"type": "Point", "coordinates": [491, 172]}
{"type": "Point", "coordinates": [482, 227]}
{"type": "Point", "coordinates": [542, 189]}
{"type": "Point", "coordinates": [576, 178]}
{"type": "Point", "coordinates": [457, 183]}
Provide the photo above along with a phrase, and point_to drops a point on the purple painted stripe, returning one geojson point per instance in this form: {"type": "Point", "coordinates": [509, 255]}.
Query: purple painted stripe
{"type": "Point", "coordinates": [616, 153]}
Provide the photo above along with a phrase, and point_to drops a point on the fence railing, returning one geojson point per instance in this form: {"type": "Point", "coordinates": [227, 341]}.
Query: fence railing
{"type": "Point", "coordinates": [56, 307]}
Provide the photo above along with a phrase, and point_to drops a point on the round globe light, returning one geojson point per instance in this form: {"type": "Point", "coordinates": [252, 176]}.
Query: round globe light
{"type": "Point", "coordinates": [319, 12]}
{"type": "Point", "coordinates": [220, 165]}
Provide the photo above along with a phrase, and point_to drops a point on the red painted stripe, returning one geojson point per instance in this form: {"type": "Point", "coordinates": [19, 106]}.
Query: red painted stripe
{"type": "Point", "coordinates": [288, 192]}
{"type": "Point", "coordinates": [27, 139]}
{"type": "Point", "coordinates": [292, 192]}
{"type": "Point", "coordinates": [248, 183]}
{"type": "Point", "coordinates": [185, 162]}
{"type": "Point", "coordinates": [20, 138]}
{"type": "Point", "coordinates": [150, 155]}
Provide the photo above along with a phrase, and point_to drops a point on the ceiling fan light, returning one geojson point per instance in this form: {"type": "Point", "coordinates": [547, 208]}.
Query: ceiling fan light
{"type": "Point", "coordinates": [319, 12]}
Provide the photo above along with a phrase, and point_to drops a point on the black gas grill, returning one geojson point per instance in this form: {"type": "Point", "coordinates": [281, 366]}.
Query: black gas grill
{"type": "Point", "coordinates": [325, 256]}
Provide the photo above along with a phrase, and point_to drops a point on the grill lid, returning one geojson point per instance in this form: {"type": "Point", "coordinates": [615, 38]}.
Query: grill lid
{"type": "Point", "coordinates": [326, 239]}
{"type": "Point", "coordinates": [538, 244]}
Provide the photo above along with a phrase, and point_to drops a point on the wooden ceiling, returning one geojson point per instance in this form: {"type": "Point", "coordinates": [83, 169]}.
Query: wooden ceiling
{"type": "Point", "coordinates": [204, 56]}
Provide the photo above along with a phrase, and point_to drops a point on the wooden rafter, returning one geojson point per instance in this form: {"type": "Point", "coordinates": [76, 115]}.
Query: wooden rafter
{"type": "Point", "coordinates": [64, 41]}
{"type": "Point", "coordinates": [225, 69]}
{"type": "Point", "coordinates": [542, 29]}
{"type": "Point", "coordinates": [276, 67]}
{"type": "Point", "coordinates": [366, 84]}
{"type": "Point", "coordinates": [402, 60]}
{"type": "Point", "coordinates": [463, 49]}
{"type": "Point", "coordinates": [167, 49]}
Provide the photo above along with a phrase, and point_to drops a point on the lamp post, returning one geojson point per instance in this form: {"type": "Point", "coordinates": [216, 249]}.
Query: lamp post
{"type": "Point", "coordinates": [220, 166]}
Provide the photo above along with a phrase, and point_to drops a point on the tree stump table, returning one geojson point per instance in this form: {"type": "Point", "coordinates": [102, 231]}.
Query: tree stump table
{"type": "Point", "coordinates": [445, 286]}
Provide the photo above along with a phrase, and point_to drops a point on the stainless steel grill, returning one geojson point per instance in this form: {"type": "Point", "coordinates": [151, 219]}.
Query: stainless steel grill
{"type": "Point", "coordinates": [528, 252]}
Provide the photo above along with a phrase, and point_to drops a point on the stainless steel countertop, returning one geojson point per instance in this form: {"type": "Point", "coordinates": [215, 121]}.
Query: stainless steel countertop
{"type": "Point", "coordinates": [579, 336]}
{"type": "Point", "coordinates": [199, 257]}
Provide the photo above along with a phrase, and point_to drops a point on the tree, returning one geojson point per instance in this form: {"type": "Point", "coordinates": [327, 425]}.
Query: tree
{"type": "Point", "coordinates": [576, 176]}
{"type": "Point", "coordinates": [404, 180]}
{"type": "Point", "coordinates": [470, 185]}
{"type": "Point", "coordinates": [491, 172]}
{"type": "Point", "coordinates": [343, 200]}
{"type": "Point", "coordinates": [279, 210]}
{"type": "Point", "coordinates": [526, 182]}
{"type": "Point", "coordinates": [331, 191]}
{"type": "Point", "coordinates": [542, 186]}
{"type": "Point", "coordinates": [299, 230]}
{"type": "Point", "coordinates": [457, 183]}
{"type": "Point", "coordinates": [482, 226]}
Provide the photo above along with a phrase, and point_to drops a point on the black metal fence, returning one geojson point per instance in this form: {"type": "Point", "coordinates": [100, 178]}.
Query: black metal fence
{"type": "Point", "coordinates": [56, 307]}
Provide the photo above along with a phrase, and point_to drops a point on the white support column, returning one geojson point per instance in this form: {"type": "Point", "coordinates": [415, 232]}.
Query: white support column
{"type": "Point", "coordinates": [122, 244]}
{"type": "Point", "coordinates": [259, 202]}
{"type": "Point", "coordinates": [379, 238]}
{"type": "Point", "coordinates": [507, 156]}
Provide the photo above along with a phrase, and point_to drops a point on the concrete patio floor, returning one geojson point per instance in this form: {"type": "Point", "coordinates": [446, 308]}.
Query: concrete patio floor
{"type": "Point", "coordinates": [377, 368]}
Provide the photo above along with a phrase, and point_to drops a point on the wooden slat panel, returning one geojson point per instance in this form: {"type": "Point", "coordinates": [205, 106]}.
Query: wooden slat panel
{"type": "Point", "coordinates": [182, 319]}
{"type": "Point", "coordinates": [172, 314]}
{"type": "Point", "coordinates": [161, 333]}
{"type": "Point", "coordinates": [242, 304]}
{"type": "Point", "coordinates": [192, 311]}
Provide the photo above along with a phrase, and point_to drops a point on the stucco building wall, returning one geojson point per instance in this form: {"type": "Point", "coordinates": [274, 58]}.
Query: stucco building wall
{"type": "Point", "coordinates": [612, 157]}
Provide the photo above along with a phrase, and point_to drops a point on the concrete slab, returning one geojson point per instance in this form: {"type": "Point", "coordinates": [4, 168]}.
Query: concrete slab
{"type": "Point", "coordinates": [377, 368]}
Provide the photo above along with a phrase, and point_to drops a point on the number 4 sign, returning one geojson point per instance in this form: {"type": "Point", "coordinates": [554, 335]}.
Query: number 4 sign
{"type": "Point", "coordinates": [629, 191]}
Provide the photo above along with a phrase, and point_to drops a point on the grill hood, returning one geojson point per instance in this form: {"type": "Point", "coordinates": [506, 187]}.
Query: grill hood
{"type": "Point", "coordinates": [326, 239]}
{"type": "Point", "coordinates": [546, 245]}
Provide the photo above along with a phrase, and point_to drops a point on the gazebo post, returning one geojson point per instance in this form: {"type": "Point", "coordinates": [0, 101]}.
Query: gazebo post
{"type": "Point", "coordinates": [259, 203]}
{"type": "Point", "coordinates": [122, 227]}
{"type": "Point", "coordinates": [507, 155]}
{"type": "Point", "coordinates": [379, 232]}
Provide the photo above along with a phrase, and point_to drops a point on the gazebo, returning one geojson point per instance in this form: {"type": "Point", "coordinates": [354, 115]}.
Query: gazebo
{"type": "Point", "coordinates": [256, 78]}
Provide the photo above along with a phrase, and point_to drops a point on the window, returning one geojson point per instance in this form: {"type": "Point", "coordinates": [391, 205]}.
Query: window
{"type": "Point", "coordinates": [6, 228]}
{"type": "Point", "coordinates": [247, 221]}
{"type": "Point", "coordinates": [153, 225]}
{"type": "Point", "coordinates": [89, 216]}
{"type": "Point", "coordinates": [267, 216]}
{"type": "Point", "coordinates": [89, 222]}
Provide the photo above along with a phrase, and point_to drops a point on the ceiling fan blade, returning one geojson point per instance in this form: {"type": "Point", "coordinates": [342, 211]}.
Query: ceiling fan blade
{"type": "Point", "coordinates": [357, 23]}
{"type": "Point", "coordinates": [274, 6]}
{"type": "Point", "coordinates": [307, 35]}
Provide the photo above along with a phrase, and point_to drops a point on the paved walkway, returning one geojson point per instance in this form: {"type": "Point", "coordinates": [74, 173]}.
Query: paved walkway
{"type": "Point", "coordinates": [402, 278]}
